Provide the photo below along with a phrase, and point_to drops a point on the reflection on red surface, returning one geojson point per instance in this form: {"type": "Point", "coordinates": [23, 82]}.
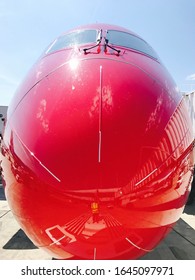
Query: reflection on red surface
{"type": "Point", "coordinates": [97, 153]}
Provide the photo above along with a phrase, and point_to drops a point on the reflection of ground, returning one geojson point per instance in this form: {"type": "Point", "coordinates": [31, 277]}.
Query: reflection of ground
{"type": "Point", "coordinates": [14, 244]}
{"type": "Point", "coordinates": [84, 227]}
{"type": "Point", "coordinates": [103, 235]}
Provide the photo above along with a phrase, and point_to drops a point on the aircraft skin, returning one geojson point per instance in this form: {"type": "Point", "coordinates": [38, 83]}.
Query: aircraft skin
{"type": "Point", "coordinates": [97, 151]}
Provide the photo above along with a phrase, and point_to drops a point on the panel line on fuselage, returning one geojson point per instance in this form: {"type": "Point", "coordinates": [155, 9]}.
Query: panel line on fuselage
{"type": "Point", "coordinates": [100, 118]}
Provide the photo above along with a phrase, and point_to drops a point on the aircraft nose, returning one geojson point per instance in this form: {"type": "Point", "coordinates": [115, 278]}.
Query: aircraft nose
{"type": "Point", "coordinates": [91, 122]}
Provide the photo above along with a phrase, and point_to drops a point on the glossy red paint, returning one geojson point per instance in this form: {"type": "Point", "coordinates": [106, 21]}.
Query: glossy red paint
{"type": "Point", "coordinates": [97, 151]}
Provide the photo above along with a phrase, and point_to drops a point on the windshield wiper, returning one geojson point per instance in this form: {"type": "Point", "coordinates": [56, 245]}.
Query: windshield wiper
{"type": "Point", "coordinates": [111, 47]}
{"type": "Point", "coordinates": [99, 39]}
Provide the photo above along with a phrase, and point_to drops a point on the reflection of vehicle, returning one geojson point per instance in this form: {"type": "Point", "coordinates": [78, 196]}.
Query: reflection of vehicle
{"type": "Point", "coordinates": [97, 150]}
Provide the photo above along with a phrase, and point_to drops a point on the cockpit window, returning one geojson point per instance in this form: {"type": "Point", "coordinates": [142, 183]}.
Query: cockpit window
{"type": "Point", "coordinates": [131, 41]}
{"type": "Point", "coordinates": [74, 38]}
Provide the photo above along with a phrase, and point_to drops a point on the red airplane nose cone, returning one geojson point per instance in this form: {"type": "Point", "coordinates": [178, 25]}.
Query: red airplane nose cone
{"type": "Point", "coordinates": [97, 154]}
{"type": "Point", "coordinates": [91, 128]}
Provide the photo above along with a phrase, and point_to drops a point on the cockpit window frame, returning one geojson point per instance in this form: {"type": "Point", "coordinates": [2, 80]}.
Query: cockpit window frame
{"type": "Point", "coordinates": [53, 47]}
{"type": "Point", "coordinates": [149, 51]}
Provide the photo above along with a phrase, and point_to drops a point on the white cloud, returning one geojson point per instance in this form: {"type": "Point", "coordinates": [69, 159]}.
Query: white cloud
{"type": "Point", "coordinates": [191, 77]}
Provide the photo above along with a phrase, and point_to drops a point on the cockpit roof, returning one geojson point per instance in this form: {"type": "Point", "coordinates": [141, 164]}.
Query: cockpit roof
{"type": "Point", "coordinates": [111, 35]}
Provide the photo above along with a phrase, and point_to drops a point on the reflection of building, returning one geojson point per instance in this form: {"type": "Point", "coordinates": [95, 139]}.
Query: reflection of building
{"type": "Point", "coordinates": [3, 114]}
{"type": "Point", "coordinates": [160, 168]}
{"type": "Point", "coordinates": [164, 167]}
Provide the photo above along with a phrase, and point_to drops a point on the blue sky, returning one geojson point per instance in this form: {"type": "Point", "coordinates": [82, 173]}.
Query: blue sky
{"type": "Point", "coordinates": [27, 27]}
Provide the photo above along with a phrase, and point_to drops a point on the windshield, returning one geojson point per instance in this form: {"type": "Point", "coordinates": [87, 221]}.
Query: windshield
{"type": "Point", "coordinates": [74, 38]}
{"type": "Point", "coordinates": [128, 40]}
